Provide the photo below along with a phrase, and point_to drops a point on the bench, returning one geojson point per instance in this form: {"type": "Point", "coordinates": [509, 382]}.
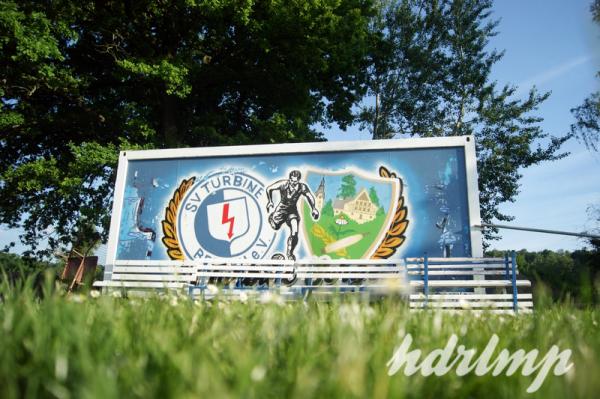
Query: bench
{"type": "Point", "coordinates": [291, 279]}
{"type": "Point", "coordinates": [454, 284]}
{"type": "Point", "coordinates": [138, 277]}
{"type": "Point", "coordinates": [326, 277]}
{"type": "Point", "coordinates": [237, 275]}
{"type": "Point", "coordinates": [450, 284]}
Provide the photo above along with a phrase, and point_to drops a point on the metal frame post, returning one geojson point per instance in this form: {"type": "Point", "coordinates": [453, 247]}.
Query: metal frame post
{"type": "Point", "coordinates": [426, 278]}
{"type": "Point", "coordinates": [514, 281]}
{"type": "Point", "coordinates": [506, 268]}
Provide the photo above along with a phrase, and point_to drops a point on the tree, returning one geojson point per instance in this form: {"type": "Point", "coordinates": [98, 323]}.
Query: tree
{"type": "Point", "coordinates": [373, 196]}
{"type": "Point", "coordinates": [430, 76]}
{"type": "Point", "coordinates": [587, 129]}
{"type": "Point", "coordinates": [587, 116]}
{"type": "Point", "coordinates": [348, 187]}
{"type": "Point", "coordinates": [587, 122]}
{"type": "Point", "coordinates": [327, 209]}
{"type": "Point", "coordinates": [80, 81]}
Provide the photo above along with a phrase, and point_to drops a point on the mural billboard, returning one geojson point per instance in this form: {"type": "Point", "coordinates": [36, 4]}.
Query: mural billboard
{"type": "Point", "coordinates": [351, 200]}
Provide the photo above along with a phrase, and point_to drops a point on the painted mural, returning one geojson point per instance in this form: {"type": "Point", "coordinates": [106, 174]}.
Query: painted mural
{"type": "Point", "coordinates": [331, 205]}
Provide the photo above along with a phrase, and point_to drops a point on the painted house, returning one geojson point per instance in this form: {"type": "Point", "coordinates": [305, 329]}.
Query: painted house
{"type": "Point", "coordinates": [360, 208]}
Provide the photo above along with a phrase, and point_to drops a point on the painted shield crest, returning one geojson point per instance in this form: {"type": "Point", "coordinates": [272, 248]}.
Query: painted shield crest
{"type": "Point", "coordinates": [228, 220]}
{"type": "Point", "coordinates": [357, 209]}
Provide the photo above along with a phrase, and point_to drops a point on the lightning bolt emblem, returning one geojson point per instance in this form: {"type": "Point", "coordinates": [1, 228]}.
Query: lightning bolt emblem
{"type": "Point", "coordinates": [226, 219]}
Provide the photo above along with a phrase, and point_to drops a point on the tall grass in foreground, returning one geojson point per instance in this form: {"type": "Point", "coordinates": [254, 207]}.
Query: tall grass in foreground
{"type": "Point", "coordinates": [84, 347]}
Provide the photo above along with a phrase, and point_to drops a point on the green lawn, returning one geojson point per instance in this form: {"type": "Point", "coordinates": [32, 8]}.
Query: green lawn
{"type": "Point", "coordinates": [85, 347]}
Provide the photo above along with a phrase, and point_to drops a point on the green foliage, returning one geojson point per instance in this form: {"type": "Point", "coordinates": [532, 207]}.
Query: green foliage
{"type": "Point", "coordinates": [587, 116]}
{"type": "Point", "coordinates": [78, 346]}
{"type": "Point", "coordinates": [567, 275]}
{"type": "Point", "coordinates": [587, 122]}
{"type": "Point", "coordinates": [14, 268]}
{"type": "Point", "coordinates": [430, 76]}
{"type": "Point", "coordinates": [587, 129]}
{"type": "Point", "coordinates": [348, 187]}
{"type": "Point", "coordinates": [82, 80]}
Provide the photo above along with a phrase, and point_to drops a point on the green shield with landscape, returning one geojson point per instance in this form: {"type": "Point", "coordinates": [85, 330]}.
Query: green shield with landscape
{"type": "Point", "coordinates": [355, 208]}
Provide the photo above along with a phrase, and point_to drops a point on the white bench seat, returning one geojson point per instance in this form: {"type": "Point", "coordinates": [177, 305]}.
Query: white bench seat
{"type": "Point", "coordinates": [440, 283]}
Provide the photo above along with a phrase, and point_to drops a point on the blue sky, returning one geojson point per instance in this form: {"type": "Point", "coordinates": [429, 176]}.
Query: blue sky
{"type": "Point", "coordinates": [554, 45]}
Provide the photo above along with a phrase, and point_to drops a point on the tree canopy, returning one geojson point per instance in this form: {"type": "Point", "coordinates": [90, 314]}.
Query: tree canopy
{"type": "Point", "coordinates": [80, 81]}
{"type": "Point", "coordinates": [587, 116]}
{"type": "Point", "coordinates": [348, 187]}
{"type": "Point", "coordinates": [430, 76]}
{"type": "Point", "coordinates": [587, 129]}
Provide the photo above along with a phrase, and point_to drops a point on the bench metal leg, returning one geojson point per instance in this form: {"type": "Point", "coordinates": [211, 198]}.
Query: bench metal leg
{"type": "Point", "coordinates": [426, 279]}
{"type": "Point", "coordinates": [514, 281]}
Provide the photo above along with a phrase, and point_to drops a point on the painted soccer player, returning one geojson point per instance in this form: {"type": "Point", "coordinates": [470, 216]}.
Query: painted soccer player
{"type": "Point", "coordinates": [286, 210]}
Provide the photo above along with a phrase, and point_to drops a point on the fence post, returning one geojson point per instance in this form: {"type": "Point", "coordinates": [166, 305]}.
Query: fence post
{"type": "Point", "coordinates": [426, 278]}
{"type": "Point", "coordinates": [514, 281]}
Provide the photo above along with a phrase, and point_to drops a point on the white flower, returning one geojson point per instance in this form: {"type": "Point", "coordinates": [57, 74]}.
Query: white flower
{"type": "Point", "coordinates": [437, 321]}
{"type": "Point", "coordinates": [212, 289]}
{"type": "Point", "coordinates": [77, 298]}
{"type": "Point", "coordinates": [243, 296]}
{"type": "Point", "coordinates": [258, 373]}
{"type": "Point", "coordinates": [269, 297]}
{"type": "Point", "coordinates": [61, 367]}
{"type": "Point", "coordinates": [95, 294]}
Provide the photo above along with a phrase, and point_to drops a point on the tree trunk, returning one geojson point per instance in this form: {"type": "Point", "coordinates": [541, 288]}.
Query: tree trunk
{"type": "Point", "coordinates": [169, 122]}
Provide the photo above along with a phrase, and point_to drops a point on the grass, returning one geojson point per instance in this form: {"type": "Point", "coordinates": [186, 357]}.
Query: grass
{"type": "Point", "coordinates": [80, 346]}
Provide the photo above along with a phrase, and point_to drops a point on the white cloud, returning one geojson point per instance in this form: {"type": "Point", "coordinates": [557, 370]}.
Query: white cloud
{"type": "Point", "coordinates": [551, 74]}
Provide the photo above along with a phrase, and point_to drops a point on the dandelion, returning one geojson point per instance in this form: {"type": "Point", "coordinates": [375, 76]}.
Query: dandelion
{"type": "Point", "coordinates": [95, 294]}
{"type": "Point", "coordinates": [212, 289]}
{"type": "Point", "coordinates": [78, 298]}
{"type": "Point", "coordinates": [464, 304]}
{"type": "Point", "coordinates": [61, 367]}
{"type": "Point", "coordinates": [437, 321]}
{"type": "Point", "coordinates": [258, 373]}
{"type": "Point", "coordinates": [351, 315]}
{"type": "Point", "coordinates": [243, 297]}
{"type": "Point", "coordinates": [269, 297]}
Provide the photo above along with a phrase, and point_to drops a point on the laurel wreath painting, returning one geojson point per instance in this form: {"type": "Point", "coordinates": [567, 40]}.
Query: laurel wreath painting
{"type": "Point", "coordinates": [395, 235]}
{"type": "Point", "coordinates": [169, 225]}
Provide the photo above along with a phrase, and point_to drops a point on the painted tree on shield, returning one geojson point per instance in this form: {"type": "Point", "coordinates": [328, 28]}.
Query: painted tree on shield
{"type": "Point", "coordinates": [348, 187]}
